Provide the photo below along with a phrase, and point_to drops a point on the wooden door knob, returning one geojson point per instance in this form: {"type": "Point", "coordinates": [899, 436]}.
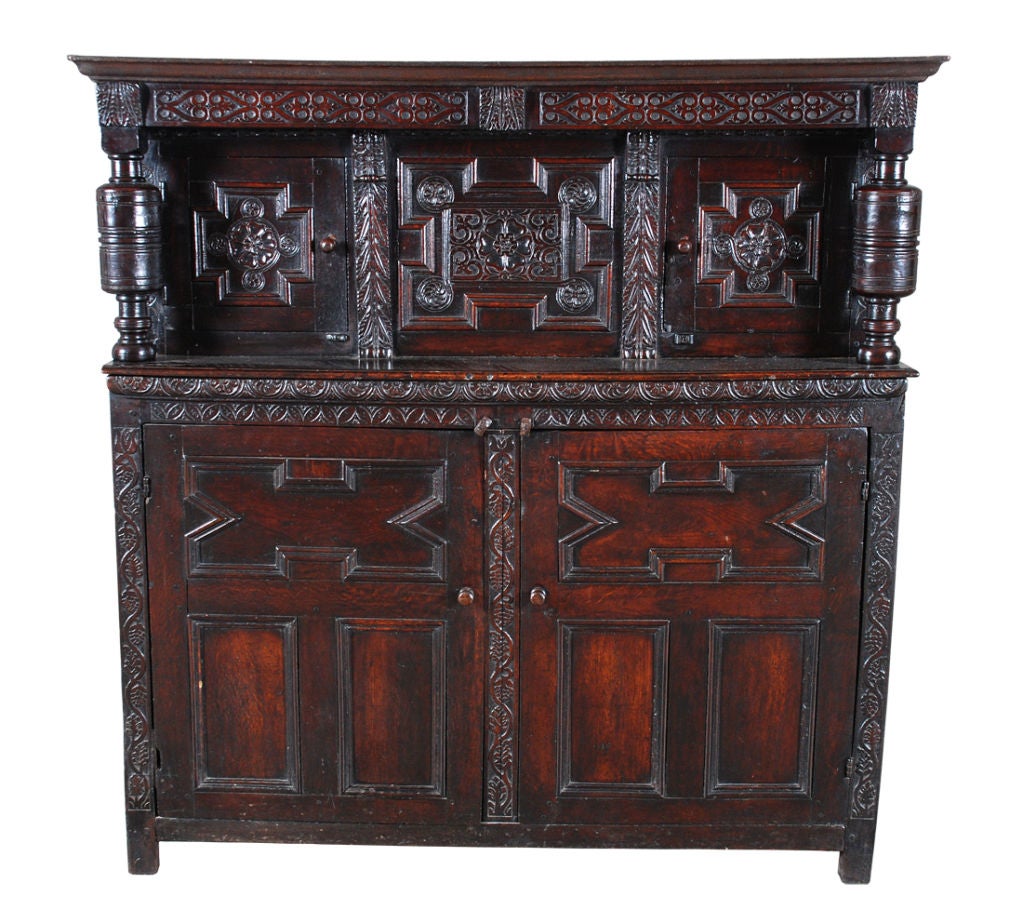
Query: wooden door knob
{"type": "Point", "coordinates": [466, 597]}
{"type": "Point", "coordinates": [683, 246]}
{"type": "Point", "coordinates": [538, 596]}
{"type": "Point", "coordinates": [328, 244]}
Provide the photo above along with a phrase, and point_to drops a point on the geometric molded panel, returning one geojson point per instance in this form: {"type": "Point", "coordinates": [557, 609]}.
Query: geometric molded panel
{"type": "Point", "coordinates": [505, 243]}
{"type": "Point", "coordinates": [315, 518]}
{"type": "Point", "coordinates": [612, 687]}
{"type": "Point", "coordinates": [253, 244]}
{"type": "Point", "coordinates": [759, 243]}
{"type": "Point", "coordinates": [762, 698]}
{"type": "Point", "coordinates": [244, 683]}
{"type": "Point", "coordinates": [392, 692]}
{"type": "Point", "coordinates": [691, 521]}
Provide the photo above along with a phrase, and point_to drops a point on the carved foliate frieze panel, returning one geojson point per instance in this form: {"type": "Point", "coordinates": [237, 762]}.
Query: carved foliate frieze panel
{"type": "Point", "coordinates": [253, 243]}
{"type": "Point", "coordinates": [759, 244]}
{"type": "Point", "coordinates": [691, 521]}
{"type": "Point", "coordinates": [308, 106]}
{"type": "Point", "coordinates": [316, 518]}
{"type": "Point", "coordinates": [695, 108]}
{"type": "Point", "coordinates": [505, 242]}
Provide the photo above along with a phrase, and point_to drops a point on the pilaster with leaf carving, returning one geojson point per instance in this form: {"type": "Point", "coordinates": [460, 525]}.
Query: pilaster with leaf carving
{"type": "Point", "coordinates": [641, 270]}
{"type": "Point", "coordinates": [372, 246]}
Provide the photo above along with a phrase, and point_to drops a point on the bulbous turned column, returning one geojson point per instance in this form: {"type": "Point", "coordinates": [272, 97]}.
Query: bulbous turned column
{"type": "Point", "coordinates": [130, 253]}
{"type": "Point", "coordinates": [886, 230]}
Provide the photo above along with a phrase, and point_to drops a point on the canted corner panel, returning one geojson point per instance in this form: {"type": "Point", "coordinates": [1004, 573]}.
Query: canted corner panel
{"type": "Point", "coordinates": [253, 242]}
{"type": "Point", "coordinates": [392, 705]}
{"type": "Point", "coordinates": [762, 696]}
{"type": "Point", "coordinates": [612, 688]}
{"type": "Point", "coordinates": [505, 244]}
{"type": "Point", "coordinates": [316, 518]}
{"type": "Point", "coordinates": [691, 521]}
{"type": "Point", "coordinates": [244, 694]}
{"type": "Point", "coordinates": [760, 246]}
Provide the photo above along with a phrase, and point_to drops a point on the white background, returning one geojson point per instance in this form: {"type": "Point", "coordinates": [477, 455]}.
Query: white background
{"type": "Point", "coordinates": [947, 839]}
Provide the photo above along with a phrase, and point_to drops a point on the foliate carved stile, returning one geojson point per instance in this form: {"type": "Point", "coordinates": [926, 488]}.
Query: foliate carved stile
{"type": "Point", "coordinates": [641, 279]}
{"type": "Point", "coordinates": [875, 639]}
{"type": "Point", "coordinates": [372, 246]}
{"type": "Point", "coordinates": [132, 585]}
{"type": "Point", "coordinates": [502, 649]}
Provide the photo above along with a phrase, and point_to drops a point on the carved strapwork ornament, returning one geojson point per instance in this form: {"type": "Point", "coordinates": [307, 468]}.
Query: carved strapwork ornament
{"type": "Point", "coordinates": [131, 253]}
{"type": "Point", "coordinates": [886, 229]}
{"type": "Point", "coordinates": [502, 634]}
{"type": "Point", "coordinates": [875, 641]}
{"type": "Point", "coordinates": [372, 246]}
{"type": "Point", "coordinates": [131, 578]}
{"type": "Point", "coordinates": [641, 286]}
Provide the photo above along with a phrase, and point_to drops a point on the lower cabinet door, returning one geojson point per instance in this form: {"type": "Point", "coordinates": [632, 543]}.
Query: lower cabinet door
{"type": "Point", "coordinates": [690, 652]}
{"type": "Point", "coordinates": [311, 659]}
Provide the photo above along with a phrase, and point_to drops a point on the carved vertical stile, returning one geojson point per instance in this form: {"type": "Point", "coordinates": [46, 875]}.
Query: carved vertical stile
{"type": "Point", "coordinates": [502, 650]}
{"type": "Point", "coordinates": [641, 278]}
{"type": "Point", "coordinates": [132, 608]}
{"type": "Point", "coordinates": [875, 651]}
{"type": "Point", "coordinates": [372, 246]}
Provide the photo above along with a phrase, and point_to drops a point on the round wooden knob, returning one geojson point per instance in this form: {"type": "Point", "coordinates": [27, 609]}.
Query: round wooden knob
{"type": "Point", "coordinates": [684, 245]}
{"type": "Point", "coordinates": [328, 244]}
{"type": "Point", "coordinates": [466, 597]}
{"type": "Point", "coordinates": [538, 596]}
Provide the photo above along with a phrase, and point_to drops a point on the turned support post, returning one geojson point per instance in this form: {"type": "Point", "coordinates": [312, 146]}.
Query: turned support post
{"type": "Point", "coordinates": [128, 215]}
{"type": "Point", "coordinates": [886, 225]}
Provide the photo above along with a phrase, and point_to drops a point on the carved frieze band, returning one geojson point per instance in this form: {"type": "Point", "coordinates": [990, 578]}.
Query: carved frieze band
{"type": "Point", "coordinates": [875, 642]}
{"type": "Point", "coordinates": [460, 391]}
{"type": "Point", "coordinates": [372, 246]}
{"type": "Point", "coordinates": [641, 287]}
{"type": "Point", "coordinates": [893, 105]}
{"type": "Point", "coordinates": [502, 648]}
{"type": "Point", "coordinates": [119, 104]}
{"type": "Point", "coordinates": [306, 106]}
{"type": "Point", "coordinates": [700, 108]}
{"type": "Point", "coordinates": [131, 580]}
{"type": "Point", "coordinates": [502, 108]}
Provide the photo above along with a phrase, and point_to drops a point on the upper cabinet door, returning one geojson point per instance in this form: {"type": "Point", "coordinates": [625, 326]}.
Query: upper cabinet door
{"type": "Point", "coordinates": [312, 655]}
{"type": "Point", "coordinates": [757, 247]}
{"type": "Point", "coordinates": [691, 656]}
{"type": "Point", "coordinates": [257, 237]}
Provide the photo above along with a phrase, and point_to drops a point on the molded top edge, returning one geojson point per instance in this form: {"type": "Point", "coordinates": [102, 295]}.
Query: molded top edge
{"type": "Point", "coordinates": [551, 73]}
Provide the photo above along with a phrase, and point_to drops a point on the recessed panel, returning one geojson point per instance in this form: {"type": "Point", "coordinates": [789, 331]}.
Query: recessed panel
{"type": "Point", "coordinates": [611, 689]}
{"type": "Point", "coordinates": [243, 679]}
{"type": "Point", "coordinates": [763, 692]}
{"type": "Point", "coordinates": [392, 686]}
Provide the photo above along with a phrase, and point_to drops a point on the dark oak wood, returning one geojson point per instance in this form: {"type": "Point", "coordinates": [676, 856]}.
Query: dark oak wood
{"type": "Point", "coordinates": [507, 454]}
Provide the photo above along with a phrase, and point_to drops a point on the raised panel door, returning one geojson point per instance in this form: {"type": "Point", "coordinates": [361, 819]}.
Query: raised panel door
{"type": "Point", "coordinates": [311, 660]}
{"type": "Point", "coordinates": [692, 655]}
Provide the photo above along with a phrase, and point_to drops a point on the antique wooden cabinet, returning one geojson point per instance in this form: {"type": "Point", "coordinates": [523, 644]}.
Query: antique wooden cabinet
{"type": "Point", "coordinates": [507, 454]}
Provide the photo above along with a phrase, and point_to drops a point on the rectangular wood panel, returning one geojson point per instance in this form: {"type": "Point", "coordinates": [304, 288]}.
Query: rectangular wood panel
{"type": "Point", "coordinates": [392, 688]}
{"type": "Point", "coordinates": [612, 690]}
{"type": "Point", "coordinates": [244, 702]}
{"type": "Point", "coordinates": [762, 701]}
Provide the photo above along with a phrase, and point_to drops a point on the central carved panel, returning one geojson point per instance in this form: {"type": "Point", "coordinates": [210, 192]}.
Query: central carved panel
{"type": "Point", "coordinates": [505, 243]}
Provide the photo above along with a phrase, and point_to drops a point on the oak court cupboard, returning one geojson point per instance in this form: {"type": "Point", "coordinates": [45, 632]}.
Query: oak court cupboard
{"type": "Point", "coordinates": [507, 454]}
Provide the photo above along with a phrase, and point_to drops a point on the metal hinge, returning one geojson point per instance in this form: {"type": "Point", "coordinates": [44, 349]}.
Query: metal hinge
{"type": "Point", "coordinates": [850, 766]}
{"type": "Point", "coordinates": [147, 487]}
{"type": "Point", "coordinates": [865, 491]}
